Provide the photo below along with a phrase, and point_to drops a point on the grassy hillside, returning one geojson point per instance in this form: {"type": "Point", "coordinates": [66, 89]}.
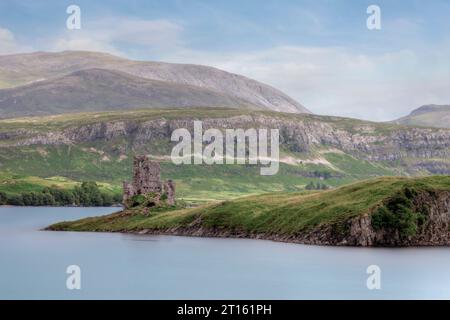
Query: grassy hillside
{"type": "Point", "coordinates": [15, 184]}
{"type": "Point", "coordinates": [34, 168]}
{"type": "Point", "coordinates": [109, 162]}
{"type": "Point", "coordinates": [56, 122]}
{"type": "Point", "coordinates": [281, 214]}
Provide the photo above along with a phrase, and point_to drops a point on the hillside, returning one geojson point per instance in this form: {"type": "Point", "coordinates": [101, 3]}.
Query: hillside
{"type": "Point", "coordinates": [378, 212]}
{"type": "Point", "coordinates": [428, 116]}
{"type": "Point", "coordinates": [330, 150]}
{"type": "Point", "coordinates": [102, 90]}
{"type": "Point", "coordinates": [23, 69]}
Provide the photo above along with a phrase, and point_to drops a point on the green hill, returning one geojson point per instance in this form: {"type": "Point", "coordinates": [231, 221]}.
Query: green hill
{"type": "Point", "coordinates": [387, 211]}
{"type": "Point", "coordinates": [320, 149]}
{"type": "Point", "coordinates": [100, 146]}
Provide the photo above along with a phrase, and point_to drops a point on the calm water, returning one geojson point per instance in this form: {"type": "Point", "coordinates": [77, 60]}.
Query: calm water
{"type": "Point", "coordinates": [114, 266]}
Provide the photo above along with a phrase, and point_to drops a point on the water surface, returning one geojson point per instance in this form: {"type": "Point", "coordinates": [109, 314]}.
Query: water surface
{"type": "Point", "coordinates": [119, 266]}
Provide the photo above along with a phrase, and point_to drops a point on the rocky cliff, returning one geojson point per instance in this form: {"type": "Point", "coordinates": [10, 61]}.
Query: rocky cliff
{"type": "Point", "coordinates": [419, 149]}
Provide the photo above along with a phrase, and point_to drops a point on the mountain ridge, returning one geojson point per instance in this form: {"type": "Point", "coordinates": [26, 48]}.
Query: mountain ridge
{"type": "Point", "coordinates": [20, 69]}
{"type": "Point", "coordinates": [106, 90]}
{"type": "Point", "coordinates": [431, 115]}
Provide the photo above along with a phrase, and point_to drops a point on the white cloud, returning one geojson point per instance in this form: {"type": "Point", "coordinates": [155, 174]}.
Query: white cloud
{"type": "Point", "coordinates": [341, 81]}
{"type": "Point", "coordinates": [113, 33]}
{"type": "Point", "coordinates": [327, 80]}
{"type": "Point", "coordinates": [8, 43]}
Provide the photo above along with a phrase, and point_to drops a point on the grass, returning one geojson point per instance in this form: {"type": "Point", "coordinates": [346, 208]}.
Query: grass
{"type": "Point", "coordinates": [276, 213]}
{"type": "Point", "coordinates": [15, 184]}
{"type": "Point", "coordinates": [195, 183]}
{"type": "Point", "coordinates": [109, 161]}
{"type": "Point", "coordinates": [58, 122]}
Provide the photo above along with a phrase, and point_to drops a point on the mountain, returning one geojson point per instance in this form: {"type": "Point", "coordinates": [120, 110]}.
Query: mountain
{"type": "Point", "coordinates": [25, 69]}
{"type": "Point", "coordinates": [391, 211]}
{"type": "Point", "coordinates": [428, 116]}
{"type": "Point", "coordinates": [100, 89]}
{"type": "Point", "coordinates": [100, 147]}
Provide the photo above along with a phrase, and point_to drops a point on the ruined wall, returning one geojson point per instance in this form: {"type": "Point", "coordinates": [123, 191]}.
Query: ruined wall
{"type": "Point", "coordinates": [169, 190]}
{"type": "Point", "coordinates": [146, 175]}
{"type": "Point", "coordinates": [147, 179]}
{"type": "Point", "coordinates": [128, 191]}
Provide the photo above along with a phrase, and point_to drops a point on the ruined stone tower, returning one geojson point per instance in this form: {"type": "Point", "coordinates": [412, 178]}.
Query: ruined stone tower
{"type": "Point", "coordinates": [147, 180]}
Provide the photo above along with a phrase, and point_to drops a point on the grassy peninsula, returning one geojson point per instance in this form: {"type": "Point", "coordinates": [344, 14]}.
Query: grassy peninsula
{"type": "Point", "coordinates": [381, 211]}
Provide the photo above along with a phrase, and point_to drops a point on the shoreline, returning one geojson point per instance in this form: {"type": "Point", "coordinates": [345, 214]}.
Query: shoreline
{"type": "Point", "coordinates": [224, 234]}
{"type": "Point", "coordinates": [13, 206]}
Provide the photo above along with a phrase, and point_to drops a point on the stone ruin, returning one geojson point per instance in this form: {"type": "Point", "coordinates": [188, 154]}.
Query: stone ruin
{"type": "Point", "coordinates": [147, 182]}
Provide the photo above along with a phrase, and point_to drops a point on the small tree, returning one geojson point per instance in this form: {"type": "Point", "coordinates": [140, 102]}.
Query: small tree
{"type": "Point", "coordinates": [310, 186]}
{"type": "Point", "coordinates": [3, 198]}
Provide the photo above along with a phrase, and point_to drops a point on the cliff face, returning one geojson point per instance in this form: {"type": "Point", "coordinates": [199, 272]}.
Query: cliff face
{"type": "Point", "coordinates": [366, 141]}
{"type": "Point", "coordinates": [433, 231]}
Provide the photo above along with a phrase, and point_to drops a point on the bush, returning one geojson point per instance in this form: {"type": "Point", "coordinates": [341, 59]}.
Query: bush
{"type": "Point", "coordinates": [398, 214]}
{"type": "Point", "coordinates": [87, 194]}
{"type": "Point", "coordinates": [15, 200]}
{"type": "Point", "coordinates": [137, 200]}
{"type": "Point", "coordinates": [318, 186]}
{"type": "Point", "coordinates": [3, 198]}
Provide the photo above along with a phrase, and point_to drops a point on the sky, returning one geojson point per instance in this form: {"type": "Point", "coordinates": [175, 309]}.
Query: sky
{"type": "Point", "coordinates": [320, 52]}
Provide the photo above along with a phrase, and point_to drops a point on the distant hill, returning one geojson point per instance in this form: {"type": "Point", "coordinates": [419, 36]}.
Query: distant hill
{"type": "Point", "coordinates": [428, 116]}
{"type": "Point", "coordinates": [100, 89]}
{"type": "Point", "coordinates": [29, 69]}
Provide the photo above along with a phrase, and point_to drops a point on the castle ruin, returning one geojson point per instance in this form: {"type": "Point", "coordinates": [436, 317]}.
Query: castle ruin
{"type": "Point", "coordinates": [147, 181]}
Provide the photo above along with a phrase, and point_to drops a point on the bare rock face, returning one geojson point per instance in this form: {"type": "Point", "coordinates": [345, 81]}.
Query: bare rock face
{"type": "Point", "coordinates": [147, 182]}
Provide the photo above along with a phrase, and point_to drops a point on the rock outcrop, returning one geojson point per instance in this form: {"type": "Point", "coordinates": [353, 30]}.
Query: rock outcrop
{"type": "Point", "coordinates": [360, 231]}
{"type": "Point", "coordinates": [363, 140]}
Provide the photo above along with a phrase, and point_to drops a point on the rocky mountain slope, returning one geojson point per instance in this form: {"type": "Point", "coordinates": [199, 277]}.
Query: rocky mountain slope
{"type": "Point", "coordinates": [300, 133]}
{"type": "Point", "coordinates": [377, 212]}
{"type": "Point", "coordinates": [428, 116]}
{"type": "Point", "coordinates": [22, 69]}
{"type": "Point", "coordinates": [305, 139]}
{"type": "Point", "coordinates": [102, 89]}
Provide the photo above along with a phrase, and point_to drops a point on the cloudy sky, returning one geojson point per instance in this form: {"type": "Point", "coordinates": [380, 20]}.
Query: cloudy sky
{"type": "Point", "coordinates": [320, 52]}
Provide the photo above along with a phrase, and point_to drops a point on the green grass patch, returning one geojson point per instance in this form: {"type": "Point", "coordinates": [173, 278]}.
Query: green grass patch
{"type": "Point", "coordinates": [276, 213]}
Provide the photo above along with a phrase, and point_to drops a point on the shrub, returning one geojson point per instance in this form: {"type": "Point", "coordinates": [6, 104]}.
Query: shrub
{"type": "Point", "coordinates": [3, 198]}
{"type": "Point", "coordinates": [15, 200]}
{"type": "Point", "coordinates": [398, 214]}
{"type": "Point", "coordinates": [137, 200]}
{"type": "Point", "coordinates": [87, 194]}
